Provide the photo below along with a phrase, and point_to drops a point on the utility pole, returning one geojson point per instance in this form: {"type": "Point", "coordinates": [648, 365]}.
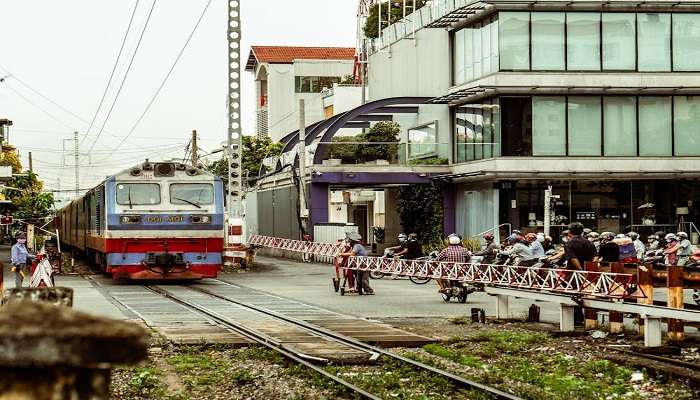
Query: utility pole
{"type": "Point", "coordinates": [31, 165]}
{"type": "Point", "coordinates": [194, 148]}
{"type": "Point", "coordinates": [303, 208]}
{"type": "Point", "coordinates": [77, 164]}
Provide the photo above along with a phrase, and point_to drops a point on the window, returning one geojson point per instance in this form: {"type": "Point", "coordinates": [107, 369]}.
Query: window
{"type": "Point", "coordinates": [422, 141]}
{"type": "Point", "coordinates": [314, 84]}
{"type": "Point", "coordinates": [548, 126]}
{"type": "Point", "coordinates": [486, 49]}
{"type": "Point", "coordinates": [687, 125]}
{"type": "Point", "coordinates": [487, 133]}
{"type": "Point", "coordinates": [468, 56]}
{"type": "Point", "coordinates": [654, 42]}
{"type": "Point", "coordinates": [476, 51]}
{"type": "Point", "coordinates": [192, 193]}
{"type": "Point", "coordinates": [548, 41]}
{"type": "Point", "coordinates": [584, 118]}
{"type": "Point", "coordinates": [458, 56]}
{"type": "Point", "coordinates": [619, 41]}
{"type": "Point", "coordinates": [460, 126]}
{"type": "Point", "coordinates": [583, 41]}
{"type": "Point", "coordinates": [494, 45]}
{"type": "Point", "coordinates": [514, 38]}
{"type": "Point", "coordinates": [655, 126]}
{"type": "Point", "coordinates": [138, 194]}
{"type": "Point", "coordinates": [686, 36]}
{"type": "Point", "coordinates": [620, 126]}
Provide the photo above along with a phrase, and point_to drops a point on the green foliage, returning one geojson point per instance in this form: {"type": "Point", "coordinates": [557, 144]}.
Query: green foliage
{"type": "Point", "coordinates": [146, 381]}
{"type": "Point", "coordinates": [442, 351]}
{"type": "Point", "coordinates": [371, 28]}
{"type": "Point", "coordinates": [254, 152]}
{"type": "Point", "coordinates": [348, 79]}
{"type": "Point", "coordinates": [429, 161]}
{"type": "Point", "coordinates": [421, 211]}
{"type": "Point", "coordinates": [346, 149]}
{"type": "Point", "coordinates": [29, 202]}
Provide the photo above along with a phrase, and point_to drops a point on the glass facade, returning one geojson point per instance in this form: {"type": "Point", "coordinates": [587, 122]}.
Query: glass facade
{"type": "Point", "coordinates": [576, 41]}
{"type": "Point", "coordinates": [586, 126]}
{"type": "Point", "coordinates": [422, 141]}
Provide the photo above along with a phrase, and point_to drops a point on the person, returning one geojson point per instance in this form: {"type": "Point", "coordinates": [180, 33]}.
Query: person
{"type": "Point", "coordinates": [401, 247]}
{"type": "Point", "coordinates": [609, 251]}
{"type": "Point", "coordinates": [652, 242]}
{"type": "Point", "coordinates": [489, 251]}
{"type": "Point", "coordinates": [413, 247]}
{"type": "Point", "coordinates": [358, 250]}
{"type": "Point", "coordinates": [628, 253]}
{"type": "Point", "coordinates": [685, 249]}
{"type": "Point", "coordinates": [638, 245]}
{"type": "Point", "coordinates": [454, 253]}
{"type": "Point", "coordinates": [661, 237]}
{"type": "Point", "coordinates": [535, 245]}
{"type": "Point", "coordinates": [520, 251]}
{"type": "Point", "coordinates": [19, 258]}
{"type": "Point", "coordinates": [671, 249]}
{"type": "Point", "coordinates": [547, 244]}
{"type": "Point", "coordinates": [594, 237]}
{"type": "Point", "coordinates": [565, 236]}
{"type": "Point", "coordinates": [578, 250]}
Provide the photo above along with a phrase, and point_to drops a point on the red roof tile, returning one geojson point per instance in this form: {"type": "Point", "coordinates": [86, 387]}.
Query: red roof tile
{"type": "Point", "coordinates": [287, 54]}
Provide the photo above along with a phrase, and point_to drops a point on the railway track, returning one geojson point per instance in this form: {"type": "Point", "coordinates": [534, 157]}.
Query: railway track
{"type": "Point", "coordinates": [665, 365]}
{"type": "Point", "coordinates": [256, 336]}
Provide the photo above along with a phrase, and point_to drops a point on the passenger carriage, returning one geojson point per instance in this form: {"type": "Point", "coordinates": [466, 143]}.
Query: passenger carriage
{"type": "Point", "coordinates": [149, 222]}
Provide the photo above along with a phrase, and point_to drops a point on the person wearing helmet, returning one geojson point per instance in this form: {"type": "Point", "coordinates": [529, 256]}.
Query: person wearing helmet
{"type": "Point", "coordinates": [586, 232]}
{"type": "Point", "coordinates": [594, 237]}
{"type": "Point", "coordinates": [358, 250]}
{"type": "Point", "coordinates": [638, 245]}
{"type": "Point", "coordinates": [413, 247]}
{"type": "Point", "coordinates": [19, 256]}
{"type": "Point", "coordinates": [577, 249]}
{"type": "Point", "coordinates": [652, 242]}
{"type": "Point", "coordinates": [661, 237]}
{"type": "Point", "coordinates": [547, 243]}
{"type": "Point", "coordinates": [399, 249]}
{"type": "Point", "coordinates": [489, 251]}
{"type": "Point", "coordinates": [681, 248]}
{"type": "Point", "coordinates": [565, 236]}
{"type": "Point", "coordinates": [520, 251]}
{"type": "Point", "coordinates": [609, 251]}
{"type": "Point", "coordinates": [535, 245]}
{"type": "Point", "coordinates": [671, 249]}
{"type": "Point", "coordinates": [454, 253]}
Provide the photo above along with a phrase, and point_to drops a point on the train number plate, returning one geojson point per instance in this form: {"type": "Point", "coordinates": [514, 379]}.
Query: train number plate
{"type": "Point", "coordinates": [158, 219]}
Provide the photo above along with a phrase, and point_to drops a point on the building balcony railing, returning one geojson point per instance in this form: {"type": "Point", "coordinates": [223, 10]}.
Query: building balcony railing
{"type": "Point", "coordinates": [386, 153]}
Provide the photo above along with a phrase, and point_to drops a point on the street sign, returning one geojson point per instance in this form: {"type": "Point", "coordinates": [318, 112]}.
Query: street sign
{"type": "Point", "coordinates": [6, 220]}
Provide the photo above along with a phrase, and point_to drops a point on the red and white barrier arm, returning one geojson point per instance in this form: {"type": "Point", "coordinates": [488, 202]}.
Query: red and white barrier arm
{"type": "Point", "coordinates": [582, 283]}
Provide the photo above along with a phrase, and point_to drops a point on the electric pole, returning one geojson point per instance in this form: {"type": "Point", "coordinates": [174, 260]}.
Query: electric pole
{"type": "Point", "coordinates": [31, 165]}
{"type": "Point", "coordinates": [77, 164]}
{"type": "Point", "coordinates": [194, 148]}
{"type": "Point", "coordinates": [303, 209]}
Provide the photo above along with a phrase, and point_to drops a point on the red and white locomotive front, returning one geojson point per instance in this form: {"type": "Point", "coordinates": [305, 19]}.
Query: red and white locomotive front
{"type": "Point", "coordinates": [164, 221]}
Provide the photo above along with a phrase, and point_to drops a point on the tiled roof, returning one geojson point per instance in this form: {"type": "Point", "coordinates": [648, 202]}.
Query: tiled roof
{"type": "Point", "coordinates": [287, 54]}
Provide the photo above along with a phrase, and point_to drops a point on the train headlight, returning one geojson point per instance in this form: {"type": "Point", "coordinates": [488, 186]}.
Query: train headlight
{"type": "Point", "coordinates": [130, 219]}
{"type": "Point", "coordinates": [200, 219]}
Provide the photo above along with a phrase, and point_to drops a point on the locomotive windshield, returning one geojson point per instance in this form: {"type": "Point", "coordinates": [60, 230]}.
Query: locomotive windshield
{"type": "Point", "coordinates": [138, 194]}
{"type": "Point", "coordinates": [195, 194]}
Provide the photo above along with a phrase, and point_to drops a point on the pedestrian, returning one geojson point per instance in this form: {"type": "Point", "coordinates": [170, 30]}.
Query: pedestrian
{"type": "Point", "coordinates": [19, 256]}
{"type": "Point", "coordinates": [454, 253]}
{"type": "Point", "coordinates": [358, 250]}
{"type": "Point", "coordinates": [578, 250]}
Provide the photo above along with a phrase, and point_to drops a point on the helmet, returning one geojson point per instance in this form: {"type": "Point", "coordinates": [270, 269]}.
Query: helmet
{"type": "Point", "coordinates": [633, 235]}
{"type": "Point", "coordinates": [586, 231]}
{"type": "Point", "coordinates": [513, 238]}
{"type": "Point", "coordinates": [488, 236]}
{"type": "Point", "coordinates": [516, 232]}
{"type": "Point", "coordinates": [413, 236]}
{"type": "Point", "coordinates": [621, 236]}
{"type": "Point", "coordinates": [670, 237]}
{"type": "Point", "coordinates": [593, 235]}
{"type": "Point", "coordinates": [531, 237]}
{"type": "Point", "coordinates": [354, 236]}
{"type": "Point", "coordinates": [607, 236]}
{"type": "Point", "coordinates": [652, 237]}
{"type": "Point", "coordinates": [454, 239]}
{"type": "Point", "coordinates": [402, 237]}
{"type": "Point", "coordinates": [682, 235]}
{"type": "Point", "coordinates": [540, 237]}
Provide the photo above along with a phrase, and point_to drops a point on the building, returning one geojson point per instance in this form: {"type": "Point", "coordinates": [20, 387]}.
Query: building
{"type": "Point", "coordinates": [598, 99]}
{"type": "Point", "coordinates": [284, 75]}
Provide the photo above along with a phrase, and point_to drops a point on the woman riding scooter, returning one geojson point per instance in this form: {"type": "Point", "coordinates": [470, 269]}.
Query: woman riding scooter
{"type": "Point", "coordinates": [489, 252]}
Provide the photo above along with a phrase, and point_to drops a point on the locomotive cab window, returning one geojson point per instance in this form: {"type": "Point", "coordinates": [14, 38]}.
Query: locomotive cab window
{"type": "Point", "coordinates": [195, 194]}
{"type": "Point", "coordinates": [138, 194]}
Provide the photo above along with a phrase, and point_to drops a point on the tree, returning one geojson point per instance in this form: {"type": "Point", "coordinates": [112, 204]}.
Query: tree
{"type": "Point", "coordinates": [385, 133]}
{"type": "Point", "coordinates": [26, 197]}
{"type": "Point", "coordinates": [371, 28]}
{"type": "Point", "coordinates": [254, 152]}
{"type": "Point", "coordinates": [421, 211]}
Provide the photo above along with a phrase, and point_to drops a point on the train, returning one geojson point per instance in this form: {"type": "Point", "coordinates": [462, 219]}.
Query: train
{"type": "Point", "coordinates": [152, 221]}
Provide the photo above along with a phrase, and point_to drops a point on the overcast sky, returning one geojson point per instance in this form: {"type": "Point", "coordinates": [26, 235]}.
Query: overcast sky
{"type": "Point", "coordinates": [65, 51]}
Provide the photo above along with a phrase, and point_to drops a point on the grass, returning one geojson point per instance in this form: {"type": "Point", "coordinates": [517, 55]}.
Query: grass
{"type": "Point", "coordinates": [452, 355]}
{"type": "Point", "coordinates": [146, 382]}
{"type": "Point", "coordinates": [494, 342]}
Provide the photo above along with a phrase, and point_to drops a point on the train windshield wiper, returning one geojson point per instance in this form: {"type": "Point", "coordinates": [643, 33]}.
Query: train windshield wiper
{"type": "Point", "coordinates": [131, 206]}
{"type": "Point", "coordinates": [188, 202]}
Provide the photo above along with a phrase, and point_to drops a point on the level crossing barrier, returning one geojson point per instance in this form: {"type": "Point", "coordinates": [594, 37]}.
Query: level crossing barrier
{"type": "Point", "coordinates": [578, 283]}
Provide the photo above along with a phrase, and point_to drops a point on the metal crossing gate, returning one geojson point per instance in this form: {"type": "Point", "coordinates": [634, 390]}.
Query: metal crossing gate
{"type": "Point", "coordinates": [562, 281]}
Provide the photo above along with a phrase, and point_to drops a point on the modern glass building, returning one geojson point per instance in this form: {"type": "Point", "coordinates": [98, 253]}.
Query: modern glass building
{"type": "Point", "coordinates": [599, 100]}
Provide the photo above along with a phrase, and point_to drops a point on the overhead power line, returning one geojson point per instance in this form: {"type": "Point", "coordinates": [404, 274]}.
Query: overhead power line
{"type": "Point", "coordinates": [114, 69]}
{"type": "Point", "coordinates": [162, 84]}
{"type": "Point", "coordinates": [126, 74]}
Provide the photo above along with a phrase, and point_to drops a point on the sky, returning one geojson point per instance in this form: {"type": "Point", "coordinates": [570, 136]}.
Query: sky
{"type": "Point", "coordinates": [56, 58]}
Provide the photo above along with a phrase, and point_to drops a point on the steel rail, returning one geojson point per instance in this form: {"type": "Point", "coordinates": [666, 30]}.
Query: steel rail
{"type": "Point", "coordinates": [667, 360]}
{"type": "Point", "coordinates": [357, 343]}
{"type": "Point", "coordinates": [262, 339]}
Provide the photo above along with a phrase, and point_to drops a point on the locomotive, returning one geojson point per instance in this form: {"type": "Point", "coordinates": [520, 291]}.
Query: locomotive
{"type": "Point", "coordinates": [153, 221]}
